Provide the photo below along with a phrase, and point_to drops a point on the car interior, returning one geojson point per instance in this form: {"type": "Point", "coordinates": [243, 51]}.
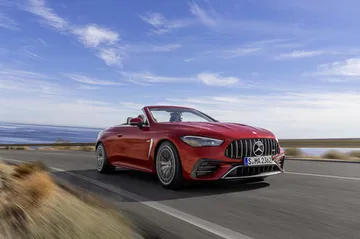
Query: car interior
{"type": "Point", "coordinates": [139, 116]}
{"type": "Point", "coordinates": [174, 117]}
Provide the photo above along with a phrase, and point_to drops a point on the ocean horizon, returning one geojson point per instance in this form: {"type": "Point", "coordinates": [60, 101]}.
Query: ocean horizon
{"type": "Point", "coordinates": [24, 133]}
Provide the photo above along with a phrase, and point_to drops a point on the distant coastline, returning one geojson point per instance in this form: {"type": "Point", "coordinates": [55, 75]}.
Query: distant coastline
{"type": "Point", "coordinates": [12, 133]}
{"type": "Point", "coordinates": [50, 125]}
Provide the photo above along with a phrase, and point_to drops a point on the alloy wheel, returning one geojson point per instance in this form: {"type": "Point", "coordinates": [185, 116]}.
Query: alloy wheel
{"type": "Point", "coordinates": [100, 158]}
{"type": "Point", "coordinates": [165, 165]}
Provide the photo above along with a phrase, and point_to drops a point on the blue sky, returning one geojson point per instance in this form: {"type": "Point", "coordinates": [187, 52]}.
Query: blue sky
{"type": "Point", "coordinates": [290, 66]}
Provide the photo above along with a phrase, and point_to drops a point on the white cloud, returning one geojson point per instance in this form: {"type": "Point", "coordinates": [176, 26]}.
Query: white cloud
{"type": "Point", "coordinates": [88, 87]}
{"type": "Point", "coordinates": [8, 23]}
{"type": "Point", "coordinates": [161, 24]}
{"type": "Point", "coordinates": [242, 50]}
{"type": "Point", "coordinates": [91, 102]}
{"type": "Point", "coordinates": [299, 54]}
{"type": "Point", "coordinates": [103, 40]}
{"type": "Point", "coordinates": [39, 8]}
{"type": "Point", "coordinates": [33, 86]}
{"type": "Point", "coordinates": [222, 24]}
{"type": "Point", "coordinates": [238, 52]}
{"type": "Point", "coordinates": [339, 80]}
{"type": "Point", "coordinates": [111, 56]}
{"type": "Point", "coordinates": [31, 54]}
{"type": "Point", "coordinates": [151, 47]}
{"type": "Point", "coordinates": [217, 80]}
{"type": "Point", "coordinates": [90, 80]}
{"type": "Point", "coordinates": [165, 48]}
{"type": "Point", "coordinates": [289, 115]}
{"type": "Point", "coordinates": [207, 78]}
{"type": "Point", "coordinates": [132, 105]}
{"type": "Point", "coordinates": [93, 35]}
{"type": "Point", "coordinates": [347, 68]}
{"type": "Point", "coordinates": [17, 74]}
{"type": "Point", "coordinates": [218, 23]}
{"type": "Point", "coordinates": [26, 81]}
{"type": "Point", "coordinates": [203, 16]}
{"type": "Point", "coordinates": [42, 42]}
{"type": "Point", "coordinates": [61, 111]}
{"type": "Point", "coordinates": [150, 78]}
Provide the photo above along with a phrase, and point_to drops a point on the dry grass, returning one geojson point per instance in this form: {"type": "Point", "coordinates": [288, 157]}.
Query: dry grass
{"type": "Point", "coordinates": [355, 154]}
{"type": "Point", "coordinates": [16, 148]}
{"type": "Point", "coordinates": [293, 152]}
{"type": "Point", "coordinates": [33, 206]}
{"type": "Point", "coordinates": [333, 154]}
{"type": "Point", "coordinates": [75, 148]}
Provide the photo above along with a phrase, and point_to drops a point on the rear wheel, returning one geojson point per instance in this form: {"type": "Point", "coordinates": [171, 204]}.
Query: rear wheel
{"type": "Point", "coordinates": [102, 164]}
{"type": "Point", "coordinates": [168, 166]}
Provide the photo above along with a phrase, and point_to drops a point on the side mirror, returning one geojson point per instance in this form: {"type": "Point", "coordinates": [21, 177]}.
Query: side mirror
{"type": "Point", "coordinates": [137, 121]}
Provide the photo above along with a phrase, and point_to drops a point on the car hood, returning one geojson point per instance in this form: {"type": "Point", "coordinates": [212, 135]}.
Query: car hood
{"type": "Point", "coordinates": [221, 129]}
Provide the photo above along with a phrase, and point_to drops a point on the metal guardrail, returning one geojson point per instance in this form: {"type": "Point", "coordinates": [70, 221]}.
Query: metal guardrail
{"type": "Point", "coordinates": [320, 143]}
{"type": "Point", "coordinates": [285, 143]}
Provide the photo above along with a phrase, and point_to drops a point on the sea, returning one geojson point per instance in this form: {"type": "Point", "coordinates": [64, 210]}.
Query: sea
{"type": "Point", "coordinates": [15, 133]}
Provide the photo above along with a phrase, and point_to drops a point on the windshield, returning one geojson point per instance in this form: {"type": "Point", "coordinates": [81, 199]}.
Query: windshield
{"type": "Point", "coordinates": [163, 115]}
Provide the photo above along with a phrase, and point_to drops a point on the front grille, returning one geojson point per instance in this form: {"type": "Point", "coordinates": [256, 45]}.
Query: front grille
{"type": "Point", "coordinates": [240, 148]}
{"type": "Point", "coordinates": [252, 171]}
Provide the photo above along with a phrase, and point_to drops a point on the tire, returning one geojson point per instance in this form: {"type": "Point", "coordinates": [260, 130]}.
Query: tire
{"type": "Point", "coordinates": [170, 177]}
{"type": "Point", "coordinates": [102, 164]}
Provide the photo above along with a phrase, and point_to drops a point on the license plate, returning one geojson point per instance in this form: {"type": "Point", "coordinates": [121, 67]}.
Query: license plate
{"type": "Point", "coordinates": [261, 160]}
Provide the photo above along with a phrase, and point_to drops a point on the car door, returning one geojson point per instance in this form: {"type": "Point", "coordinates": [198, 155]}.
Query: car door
{"type": "Point", "coordinates": [117, 145]}
{"type": "Point", "coordinates": [136, 145]}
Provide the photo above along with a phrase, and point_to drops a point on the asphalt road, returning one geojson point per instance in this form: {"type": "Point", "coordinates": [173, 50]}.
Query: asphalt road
{"type": "Point", "coordinates": [310, 200]}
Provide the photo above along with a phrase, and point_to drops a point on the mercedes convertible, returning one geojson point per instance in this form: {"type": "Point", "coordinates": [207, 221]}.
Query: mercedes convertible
{"type": "Point", "coordinates": [180, 143]}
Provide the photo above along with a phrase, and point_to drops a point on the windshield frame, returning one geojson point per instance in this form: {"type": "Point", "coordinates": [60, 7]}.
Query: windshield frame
{"type": "Point", "coordinates": [177, 109]}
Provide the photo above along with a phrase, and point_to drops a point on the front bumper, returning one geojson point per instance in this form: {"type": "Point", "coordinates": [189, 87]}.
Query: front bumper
{"type": "Point", "coordinates": [209, 169]}
{"type": "Point", "coordinates": [210, 163]}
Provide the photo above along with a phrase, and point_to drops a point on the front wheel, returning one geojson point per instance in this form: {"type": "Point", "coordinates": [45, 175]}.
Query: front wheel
{"type": "Point", "coordinates": [102, 164]}
{"type": "Point", "coordinates": [168, 166]}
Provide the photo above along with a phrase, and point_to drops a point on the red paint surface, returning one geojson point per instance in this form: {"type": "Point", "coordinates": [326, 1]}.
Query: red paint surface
{"type": "Point", "coordinates": [129, 145]}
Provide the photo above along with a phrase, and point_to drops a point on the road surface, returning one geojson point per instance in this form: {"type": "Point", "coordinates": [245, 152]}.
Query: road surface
{"type": "Point", "coordinates": [310, 200]}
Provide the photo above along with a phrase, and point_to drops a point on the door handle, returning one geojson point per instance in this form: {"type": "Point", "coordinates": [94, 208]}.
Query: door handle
{"type": "Point", "coordinates": [119, 135]}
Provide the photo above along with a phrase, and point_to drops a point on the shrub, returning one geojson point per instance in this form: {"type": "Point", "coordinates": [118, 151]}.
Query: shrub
{"type": "Point", "coordinates": [34, 206]}
{"type": "Point", "coordinates": [295, 152]}
{"type": "Point", "coordinates": [333, 154]}
{"type": "Point", "coordinates": [355, 154]}
{"type": "Point", "coordinates": [25, 169]}
{"type": "Point", "coordinates": [17, 148]}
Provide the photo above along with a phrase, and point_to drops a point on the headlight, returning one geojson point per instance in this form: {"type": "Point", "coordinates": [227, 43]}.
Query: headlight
{"type": "Point", "coordinates": [198, 141]}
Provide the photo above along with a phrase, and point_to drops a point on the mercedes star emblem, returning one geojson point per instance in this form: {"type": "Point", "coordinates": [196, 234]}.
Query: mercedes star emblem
{"type": "Point", "coordinates": [258, 148]}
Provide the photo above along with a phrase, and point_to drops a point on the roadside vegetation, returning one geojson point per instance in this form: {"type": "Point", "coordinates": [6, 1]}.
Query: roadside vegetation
{"type": "Point", "coordinates": [330, 154]}
{"type": "Point", "coordinates": [32, 205]}
{"type": "Point", "coordinates": [52, 148]}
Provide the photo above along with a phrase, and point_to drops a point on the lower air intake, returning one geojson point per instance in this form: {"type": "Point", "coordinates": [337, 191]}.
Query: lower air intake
{"type": "Point", "coordinates": [244, 172]}
{"type": "Point", "coordinates": [206, 168]}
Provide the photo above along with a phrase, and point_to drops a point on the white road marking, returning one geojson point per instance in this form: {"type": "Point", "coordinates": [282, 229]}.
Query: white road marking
{"type": "Point", "coordinates": [198, 222]}
{"type": "Point", "coordinates": [323, 176]}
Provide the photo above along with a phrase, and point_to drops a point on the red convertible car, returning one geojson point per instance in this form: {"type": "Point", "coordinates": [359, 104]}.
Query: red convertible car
{"type": "Point", "coordinates": [180, 143]}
